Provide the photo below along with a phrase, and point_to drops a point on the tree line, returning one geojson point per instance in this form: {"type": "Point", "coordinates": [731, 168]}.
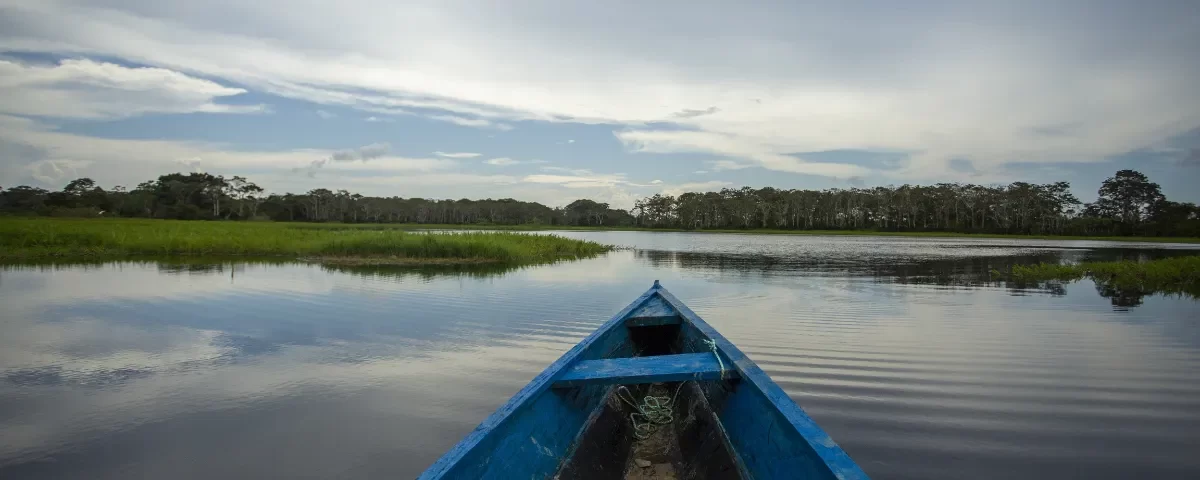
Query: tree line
{"type": "Point", "coordinates": [1128, 203]}
{"type": "Point", "coordinates": [203, 196]}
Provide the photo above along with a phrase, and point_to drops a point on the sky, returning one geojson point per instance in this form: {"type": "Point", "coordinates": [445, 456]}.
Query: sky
{"type": "Point", "coordinates": [551, 101]}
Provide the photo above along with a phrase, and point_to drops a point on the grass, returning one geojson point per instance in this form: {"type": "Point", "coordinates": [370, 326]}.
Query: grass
{"type": "Point", "coordinates": [1169, 275]}
{"type": "Point", "coordinates": [23, 239]}
{"type": "Point", "coordinates": [756, 231]}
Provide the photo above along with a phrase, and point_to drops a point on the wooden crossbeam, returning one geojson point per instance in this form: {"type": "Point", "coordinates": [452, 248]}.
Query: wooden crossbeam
{"type": "Point", "coordinates": [635, 370]}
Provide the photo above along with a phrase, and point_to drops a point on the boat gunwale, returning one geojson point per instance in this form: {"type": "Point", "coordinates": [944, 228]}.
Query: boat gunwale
{"type": "Point", "coordinates": [838, 461]}
{"type": "Point", "coordinates": [538, 386]}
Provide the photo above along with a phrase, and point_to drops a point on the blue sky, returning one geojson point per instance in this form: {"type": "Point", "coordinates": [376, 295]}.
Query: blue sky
{"type": "Point", "coordinates": [551, 101]}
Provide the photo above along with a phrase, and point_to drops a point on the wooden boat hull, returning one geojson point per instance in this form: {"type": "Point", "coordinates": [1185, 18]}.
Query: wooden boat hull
{"type": "Point", "coordinates": [729, 419]}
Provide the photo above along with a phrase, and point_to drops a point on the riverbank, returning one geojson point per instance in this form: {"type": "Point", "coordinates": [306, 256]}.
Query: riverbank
{"type": "Point", "coordinates": [1169, 275]}
{"type": "Point", "coordinates": [45, 238]}
{"type": "Point", "coordinates": [754, 231]}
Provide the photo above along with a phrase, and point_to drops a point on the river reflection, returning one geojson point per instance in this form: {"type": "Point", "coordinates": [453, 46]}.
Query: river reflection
{"type": "Point", "coordinates": [908, 353]}
{"type": "Point", "coordinates": [970, 272]}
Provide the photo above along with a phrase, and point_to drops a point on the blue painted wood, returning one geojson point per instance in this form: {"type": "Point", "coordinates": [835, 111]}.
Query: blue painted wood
{"type": "Point", "coordinates": [638, 370]}
{"type": "Point", "coordinates": [653, 321]}
{"type": "Point", "coordinates": [532, 434]}
{"type": "Point", "coordinates": [654, 307]}
{"type": "Point", "coordinates": [773, 437]}
{"type": "Point", "coordinates": [529, 436]}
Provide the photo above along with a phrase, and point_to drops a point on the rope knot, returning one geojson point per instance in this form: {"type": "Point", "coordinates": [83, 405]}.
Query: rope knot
{"type": "Point", "coordinates": [712, 344]}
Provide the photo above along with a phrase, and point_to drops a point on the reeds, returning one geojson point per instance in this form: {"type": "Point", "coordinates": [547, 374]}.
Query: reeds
{"type": "Point", "coordinates": [41, 238]}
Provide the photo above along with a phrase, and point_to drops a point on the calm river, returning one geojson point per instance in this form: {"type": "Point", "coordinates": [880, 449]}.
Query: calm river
{"type": "Point", "coordinates": [903, 349]}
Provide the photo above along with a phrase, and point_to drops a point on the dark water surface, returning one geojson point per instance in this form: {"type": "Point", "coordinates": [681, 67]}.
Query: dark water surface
{"type": "Point", "coordinates": [904, 350]}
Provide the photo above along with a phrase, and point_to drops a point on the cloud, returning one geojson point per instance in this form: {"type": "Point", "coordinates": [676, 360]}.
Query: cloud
{"type": "Point", "coordinates": [700, 172]}
{"type": "Point", "coordinates": [54, 172]}
{"type": "Point", "coordinates": [57, 157]}
{"type": "Point", "coordinates": [1192, 158]}
{"type": "Point", "coordinates": [617, 185]}
{"type": "Point", "coordinates": [682, 188]}
{"type": "Point", "coordinates": [791, 78]}
{"type": "Point", "coordinates": [571, 141]}
{"type": "Point", "coordinates": [578, 181]}
{"type": "Point", "coordinates": [690, 113]}
{"type": "Point", "coordinates": [505, 161]}
{"type": "Point", "coordinates": [472, 122]}
{"type": "Point", "coordinates": [192, 164]}
{"type": "Point", "coordinates": [856, 181]}
{"type": "Point", "coordinates": [373, 151]}
{"type": "Point", "coordinates": [82, 88]}
{"type": "Point", "coordinates": [723, 165]}
{"type": "Point", "coordinates": [734, 147]}
{"type": "Point", "coordinates": [374, 119]}
{"type": "Point", "coordinates": [582, 178]}
{"type": "Point", "coordinates": [363, 153]}
{"type": "Point", "coordinates": [325, 115]}
{"type": "Point", "coordinates": [457, 155]}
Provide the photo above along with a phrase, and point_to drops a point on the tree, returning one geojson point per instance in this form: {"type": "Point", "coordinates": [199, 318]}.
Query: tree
{"type": "Point", "coordinates": [23, 198]}
{"type": "Point", "coordinates": [1128, 197]}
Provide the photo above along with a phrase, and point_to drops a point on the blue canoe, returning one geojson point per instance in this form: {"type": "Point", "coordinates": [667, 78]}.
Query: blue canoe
{"type": "Point", "coordinates": [654, 393]}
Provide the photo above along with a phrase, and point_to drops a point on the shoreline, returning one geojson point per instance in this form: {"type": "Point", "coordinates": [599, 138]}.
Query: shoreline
{"type": "Point", "coordinates": [760, 231]}
{"type": "Point", "coordinates": [350, 261]}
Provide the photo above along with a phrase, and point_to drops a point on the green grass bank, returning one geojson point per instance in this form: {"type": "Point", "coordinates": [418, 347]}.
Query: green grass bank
{"type": "Point", "coordinates": [44, 238]}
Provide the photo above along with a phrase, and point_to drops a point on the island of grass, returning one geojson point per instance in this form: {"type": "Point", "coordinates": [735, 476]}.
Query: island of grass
{"type": "Point", "coordinates": [1178, 275]}
{"type": "Point", "coordinates": [29, 239]}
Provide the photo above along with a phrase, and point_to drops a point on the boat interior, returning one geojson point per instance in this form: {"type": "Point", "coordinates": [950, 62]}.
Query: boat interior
{"type": "Point", "coordinates": [653, 354]}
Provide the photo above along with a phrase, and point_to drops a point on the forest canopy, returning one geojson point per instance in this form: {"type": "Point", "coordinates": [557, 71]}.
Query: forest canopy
{"type": "Point", "coordinates": [1128, 203]}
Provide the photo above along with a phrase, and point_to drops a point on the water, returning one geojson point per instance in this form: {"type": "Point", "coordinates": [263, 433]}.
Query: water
{"type": "Point", "coordinates": [904, 350]}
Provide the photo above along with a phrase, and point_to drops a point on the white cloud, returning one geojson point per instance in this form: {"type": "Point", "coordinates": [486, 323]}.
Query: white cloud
{"type": "Point", "coordinates": [56, 171]}
{"type": "Point", "coordinates": [571, 181]}
{"type": "Point", "coordinates": [472, 122]}
{"type": "Point", "coordinates": [56, 158]}
{"type": "Point", "coordinates": [722, 165]}
{"type": "Point", "coordinates": [700, 172]}
{"type": "Point", "coordinates": [325, 115]}
{"type": "Point", "coordinates": [505, 161]}
{"type": "Point", "coordinates": [613, 188]}
{"type": "Point", "coordinates": [571, 141]}
{"type": "Point", "coordinates": [457, 155]}
{"type": "Point", "coordinates": [581, 178]}
{"type": "Point", "coordinates": [191, 164]}
{"type": "Point", "coordinates": [682, 188]}
{"type": "Point", "coordinates": [52, 158]}
{"type": "Point", "coordinates": [764, 155]}
{"type": "Point", "coordinates": [374, 119]}
{"type": "Point", "coordinates": [81, 88]}
{"type": "Point", "coordinates": [991, 83]}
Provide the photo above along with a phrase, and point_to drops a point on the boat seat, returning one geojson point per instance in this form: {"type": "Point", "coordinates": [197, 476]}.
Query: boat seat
{"type": "Point", "coordinates": [656, 311]}
{"type": "Point", "coordinates": [653, 320]}
{"type": "Point", "coordinates": [635, 370]}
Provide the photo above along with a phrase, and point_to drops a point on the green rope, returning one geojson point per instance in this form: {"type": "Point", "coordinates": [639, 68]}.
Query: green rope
{"type": "Point", "coordinates": [653, 411]}
{"type": "Point", "coordinates": [657, 410]}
